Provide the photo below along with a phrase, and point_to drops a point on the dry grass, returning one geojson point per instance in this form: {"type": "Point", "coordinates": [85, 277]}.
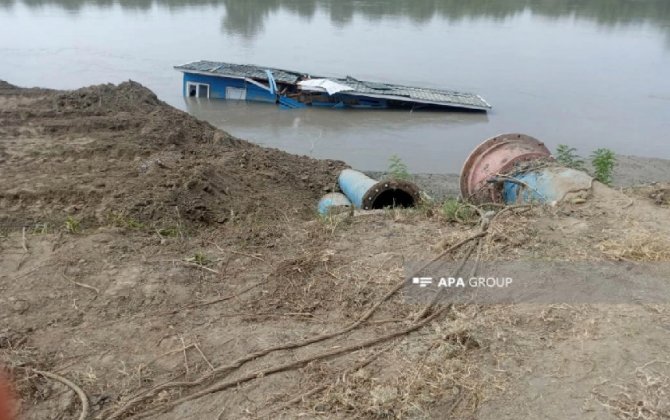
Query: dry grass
{"type": "Point", "coordinates": [437, 373]}
{"type": "Point", "coordinates": [648, 397]}
{"type": "Point", "coordinates": [511, 235]}
{"type": "Point", "coordinates": [434, 372]}
{"type": "Point", "coordinates": [658, 193]}
{"type": "Point", "coordinates": [636, 245]}
{"type": "Point", "coordinates": [420, 375]}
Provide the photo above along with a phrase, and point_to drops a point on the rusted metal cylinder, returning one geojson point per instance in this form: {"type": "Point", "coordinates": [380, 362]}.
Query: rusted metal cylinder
{"type": "Point", "coordinates": [497, 156]}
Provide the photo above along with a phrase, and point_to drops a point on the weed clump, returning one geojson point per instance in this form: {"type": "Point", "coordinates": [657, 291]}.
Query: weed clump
{"type": "Point", "coordinates": [41, 228]}
{"type": "Point", "coordinates": [199, 258]}
{"type": "Point", "coordinates": [123, 221]}
{"type": "Point", "coordinates": [397, 168]}
{"type": "Point", "coordinates": [456, 211]}
{"type": "Point", "coordinates": [603, 161]}
{"type": "Point", "coordinates": [170, 232]}
{"type": "Point", "coordinates": [72, 225]}
{"type": "Point", "coordinates": [568, 157]}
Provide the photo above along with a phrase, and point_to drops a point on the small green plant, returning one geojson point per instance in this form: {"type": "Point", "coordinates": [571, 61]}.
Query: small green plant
{"type": "Point", "coordinates": [603, 161]}
{"type": "Point", "coordinates": [41, 229]}
{"type": "Point", "coordinates": [134, 224]}
{"type": "Point", "coordinates": [397, 168]}
{"type": "Point", "coordinates": [171, 231]}
{"type": "Point", "coordinates": [199, 258]}
{"type": "Point", "coordinates": [568, 157]}
{"type": "Point", "coordinates": [450, 209]}
{"type": "Point", "coordinates": [124, 221]}
{"type": "Point", "coordinates": [455, 211]}
{"type": "Point", "coordinates": [72, 225]}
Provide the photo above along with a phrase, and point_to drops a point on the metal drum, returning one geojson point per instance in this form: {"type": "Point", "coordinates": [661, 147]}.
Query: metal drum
{"type": "Point", "coordinates": [494, 157]}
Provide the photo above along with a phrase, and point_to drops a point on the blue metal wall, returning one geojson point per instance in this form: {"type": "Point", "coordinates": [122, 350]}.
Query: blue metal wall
{"type": "Point", "coordinates": [218, 85]}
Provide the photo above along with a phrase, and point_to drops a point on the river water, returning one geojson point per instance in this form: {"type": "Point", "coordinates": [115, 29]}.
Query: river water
{"type": "Point", "coordinates": [589, 73]}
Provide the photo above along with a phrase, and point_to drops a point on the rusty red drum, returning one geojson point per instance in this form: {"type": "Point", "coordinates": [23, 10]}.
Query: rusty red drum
{"type": "Point", "coordinates": [495, 156]}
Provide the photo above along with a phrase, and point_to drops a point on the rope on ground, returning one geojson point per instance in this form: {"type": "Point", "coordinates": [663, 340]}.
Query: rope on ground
{"type": "Point", "coordinates": [82, 395]}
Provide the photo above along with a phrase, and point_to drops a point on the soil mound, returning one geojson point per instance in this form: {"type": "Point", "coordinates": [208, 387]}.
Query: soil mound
{"type": "Point", "coordinates": [118, 152]}
{"type": "Point", "coordinates": [128, 96]}
{"type": "Point", "coordinates": [6, 86]}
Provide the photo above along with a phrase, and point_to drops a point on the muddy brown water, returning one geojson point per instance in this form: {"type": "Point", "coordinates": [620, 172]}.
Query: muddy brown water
{"type": "Point", "coordinates": [589, 74]}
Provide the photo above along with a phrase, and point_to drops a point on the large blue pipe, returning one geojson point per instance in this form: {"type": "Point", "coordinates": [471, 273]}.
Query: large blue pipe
{"type": "Point", "coordinates": [332, 202]}
{"type": "Point", "coordinates": [366, 193]}
{"type": "Point", "coordinates": [354, 185]}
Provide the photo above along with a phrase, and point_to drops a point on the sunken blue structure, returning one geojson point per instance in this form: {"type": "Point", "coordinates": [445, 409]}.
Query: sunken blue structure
{"type": "Point", "coordinates": [224, 88]}
{"type": "Point", "coordinates": [292, 89]}
{"type": "Point", "coordinates": [208, 79]}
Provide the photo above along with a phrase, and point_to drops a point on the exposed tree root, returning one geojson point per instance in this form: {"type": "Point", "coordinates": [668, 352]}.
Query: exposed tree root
{"type": "Point", "coordinates": [82, 395]}
{"type": "Point", "coordinates": [223, 385]}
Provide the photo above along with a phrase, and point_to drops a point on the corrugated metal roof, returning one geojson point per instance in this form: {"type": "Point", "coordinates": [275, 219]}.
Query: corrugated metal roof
{"type": "Point", "coordinates": [240, 70]}
{"type": "Point", "coordinates": [436, 96]}
{"type": "Point", "coordinates": [361, 88]}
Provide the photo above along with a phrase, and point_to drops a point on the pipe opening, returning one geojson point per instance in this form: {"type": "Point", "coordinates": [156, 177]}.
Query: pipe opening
{"type": "Point", "coordinates": [393, 198]}
{"type": "Point", "coordinates": [366, 194]}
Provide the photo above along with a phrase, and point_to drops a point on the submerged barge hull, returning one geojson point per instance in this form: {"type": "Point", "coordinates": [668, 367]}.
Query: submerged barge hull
{"type": "Point", "coordinates": [291, 89]}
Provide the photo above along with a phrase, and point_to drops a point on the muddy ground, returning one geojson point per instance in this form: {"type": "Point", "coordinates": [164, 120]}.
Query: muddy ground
{"type": "Point", "coordinates": [172, 271]}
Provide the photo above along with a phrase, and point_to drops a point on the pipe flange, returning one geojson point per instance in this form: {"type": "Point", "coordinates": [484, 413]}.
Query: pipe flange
{"type": "Point", "coordinates": [497, 155]}
{"type": "Point", "coordinates": [391, 193]}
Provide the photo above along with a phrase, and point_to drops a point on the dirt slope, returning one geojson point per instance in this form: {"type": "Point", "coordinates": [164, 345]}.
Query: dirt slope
{"type": "Point", "coordinates": [117, 151]}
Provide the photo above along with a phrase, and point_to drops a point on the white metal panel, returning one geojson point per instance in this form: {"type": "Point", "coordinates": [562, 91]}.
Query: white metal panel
{"type": "Point", "coordinates": [236, 94]}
